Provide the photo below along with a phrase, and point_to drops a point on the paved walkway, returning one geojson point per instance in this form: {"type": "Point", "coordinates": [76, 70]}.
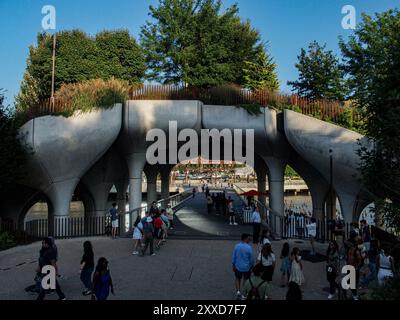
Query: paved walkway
{"type": "Point", "coordinates": [182, 269]}
{"type": "Point", "coordinates": [194, 264]}
{"type": "Point", "coordinates": [194, 222]}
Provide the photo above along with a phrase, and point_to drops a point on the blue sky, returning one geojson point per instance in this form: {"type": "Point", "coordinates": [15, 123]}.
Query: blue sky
{"type": "Point", "coordinates": [287, 26]}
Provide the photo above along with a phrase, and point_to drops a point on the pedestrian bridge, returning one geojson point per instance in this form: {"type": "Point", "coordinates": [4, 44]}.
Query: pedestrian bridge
{"type": "Point", "coordinates": [89, 153]}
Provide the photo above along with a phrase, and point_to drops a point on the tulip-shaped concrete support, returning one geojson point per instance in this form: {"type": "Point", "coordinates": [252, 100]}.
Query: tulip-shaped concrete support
{"type": "Point", "coordinates": [60, 195]}
{"type": "Point", "coordinates": [136, 163]}
{"type": "Point", "coordinates": [165, 172]}
{"type": "Point", "coordinates": [276, 180]}
{"type": "Point", "coordinates": [151, 175]}
{"type": "Point", "coordinates": [261, 170]}
{"type": "Point", "coordinates": [122, 187]}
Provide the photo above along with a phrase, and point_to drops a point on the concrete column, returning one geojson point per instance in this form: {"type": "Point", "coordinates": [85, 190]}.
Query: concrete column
{"type": "Point", "coordinates": [347, 204]}
{"type": "Point", "coordinates": [165, 172]}
{"type": "Point", "coordinates": [318, 202]}
{"type": "Point", "coordinates": [276, 180]}
{"type": "Point", "coordinates": [60, 195]}
{"type": "Point", "coordinates": [261, 171]}
{"type": "Point", "coordinates": [151, 175]}
{"type": "Point", "coordinates": [122, 187]}
{"type": "Point", "coordinates": [136, 163]}
{"type": "Point", "coordinates": [331, 204]}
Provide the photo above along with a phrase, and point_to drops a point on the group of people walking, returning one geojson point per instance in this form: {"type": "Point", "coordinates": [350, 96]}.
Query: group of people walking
{"type": "Point", "coordinates": [152, 230]}
{"type": "Point", "coordinates": [257, 275]}
{"type": "Point", "coordinates": [221, 204]}
{"type": "Point", "coordinates": [97, 281]}
{"type": "Point", "coordinates": [371, 261]}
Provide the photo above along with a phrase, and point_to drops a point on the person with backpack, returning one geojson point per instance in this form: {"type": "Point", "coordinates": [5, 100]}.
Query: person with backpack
{"type": "Point", "coordinates": [158, 230]}
{"type": "Point", "coordinates": [137, 235]}
{"type": "Point", "coordinates": [48, 257]}
{"type": "Point", "coordinates": [102, 282]}
{"type": "Point", "coordinates": [231, 211]}
{"type": "Point", "coordinates": [87, 266]}
{"type": "Point", "coordinates": [242, 262]}
{"type": "Point", "coordinates": [266, 259]}
{"type": "Point", "coordinates": [165, 225]}
{"type": "Point", "coordinates": [148, 234]}
{"type": "Point", "coordinates": [255, 288]}
{"type": "Point", "coordinates": [285, 265]}
{"type": "Point", "coordinates": [170, 214]}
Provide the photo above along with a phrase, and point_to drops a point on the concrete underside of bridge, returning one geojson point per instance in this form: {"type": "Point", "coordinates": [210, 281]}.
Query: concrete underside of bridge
{"type": "Point", "coordinates": [107, 147]}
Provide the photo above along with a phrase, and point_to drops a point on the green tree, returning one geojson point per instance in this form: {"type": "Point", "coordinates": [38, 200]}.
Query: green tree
{"type": "Point", "coordinates": [320, 74]}
{"type": "Point", "coordinates": [372, 61]}
{"type": "Point", "coordinates": [12, 155]}
{"type": "Point", "coordinates": [261, 74]}
{"type": "Point", "coordinates": [79, 57]}
{"type": "Point", "coordinates": [193, 42]}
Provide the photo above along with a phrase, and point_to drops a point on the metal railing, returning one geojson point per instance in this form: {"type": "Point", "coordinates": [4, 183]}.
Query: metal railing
{"type": "Point", "coordinates": [75, 227]}
{"type": "Point", "coordinates": [174, 201]}
{"type": "Point", "coordinates": [270, 218]}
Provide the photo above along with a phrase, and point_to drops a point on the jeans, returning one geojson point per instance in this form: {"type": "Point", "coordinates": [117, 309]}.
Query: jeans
{"type": "Point", "coordinates": [364, 281]}
{"type": "Point", "coordinates": [86, 275]}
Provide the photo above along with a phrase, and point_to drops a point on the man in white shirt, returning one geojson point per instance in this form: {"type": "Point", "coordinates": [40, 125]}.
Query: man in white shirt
{"type": "Point", "coordinates": [312, 233]}
{"type": "Point", "coordinates": [170, 215]}
{"type": "Point", "coordinates": [256, 221]}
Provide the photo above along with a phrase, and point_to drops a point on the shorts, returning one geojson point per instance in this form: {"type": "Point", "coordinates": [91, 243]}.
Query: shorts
{"type": "Point", "coordinates": [239, 275]}
{"type": "Point", "coordinates": [115, 224]}
{"type": "Point", "coordinates": [231, 213]}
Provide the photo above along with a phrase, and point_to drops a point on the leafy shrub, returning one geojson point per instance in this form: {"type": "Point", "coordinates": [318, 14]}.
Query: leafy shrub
{"type": "Point", "coordinates": [7, 240]}
{"type": "Point", "coordinates": [91, 94]}
{"type": "Point", "coordinates": [252, 109]}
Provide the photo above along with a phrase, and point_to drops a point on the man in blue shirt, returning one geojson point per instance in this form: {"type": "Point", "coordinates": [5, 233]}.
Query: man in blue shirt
{"type": "Point", "coordinates": [242, 262]}
{"type": "Point", "coordinates": [114, 220]}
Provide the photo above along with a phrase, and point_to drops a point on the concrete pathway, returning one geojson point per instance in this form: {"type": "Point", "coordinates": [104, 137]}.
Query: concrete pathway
{"type": "Point", "coordinates": [194, 222]}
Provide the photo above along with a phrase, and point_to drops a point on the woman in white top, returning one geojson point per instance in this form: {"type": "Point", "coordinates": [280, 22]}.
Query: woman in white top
{"type": "Point", "coordinates": [267, 260]}
{"type": "Point", "coordinates": [137, 235]}
{"type": "Point", "coordinates": [296, 274]}
{"type": "Point", "coordinates": [385, 266]}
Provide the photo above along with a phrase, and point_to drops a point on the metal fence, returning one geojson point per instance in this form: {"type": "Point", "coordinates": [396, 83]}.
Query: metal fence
{"type": "Point", "coordinates": [223, 95]}
{"type": "Point", "coordinates": [75, 227]}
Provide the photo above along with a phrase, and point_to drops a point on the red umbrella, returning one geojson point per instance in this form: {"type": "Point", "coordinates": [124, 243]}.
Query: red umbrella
{"type": "Point", "coordinates": [253, 193]}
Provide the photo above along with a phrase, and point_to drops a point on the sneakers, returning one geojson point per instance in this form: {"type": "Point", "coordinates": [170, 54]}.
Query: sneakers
{"type": "Point", "coordinates": [235, 224]}
{"type": "Point", "coordinates": [153, 254]}
{"type": "Point", "coordinates": [355, 298]}
{"type": "Point", "coordinates": [230, 223]}
{"type": "Point", "coordinates": [239, 295]}
{"type": "Point", "coordinates": [330, 297]}
{"type": "Point", "coordinates": [135, 253]}
{"type": "Point", "coordinates": [87, 292]}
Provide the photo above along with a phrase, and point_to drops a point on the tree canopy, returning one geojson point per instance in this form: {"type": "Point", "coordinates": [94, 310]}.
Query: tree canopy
{"type": "Point", "coordinates": [320, 74]}
{"type": "Point", "coordinates": [12, 155]}
{"type": "Point", "coordinates": [372, 62]}
{"type": "Point", "coordinates": [194, 42]}
{"type": "Point", "coordinates": [80, 57]}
